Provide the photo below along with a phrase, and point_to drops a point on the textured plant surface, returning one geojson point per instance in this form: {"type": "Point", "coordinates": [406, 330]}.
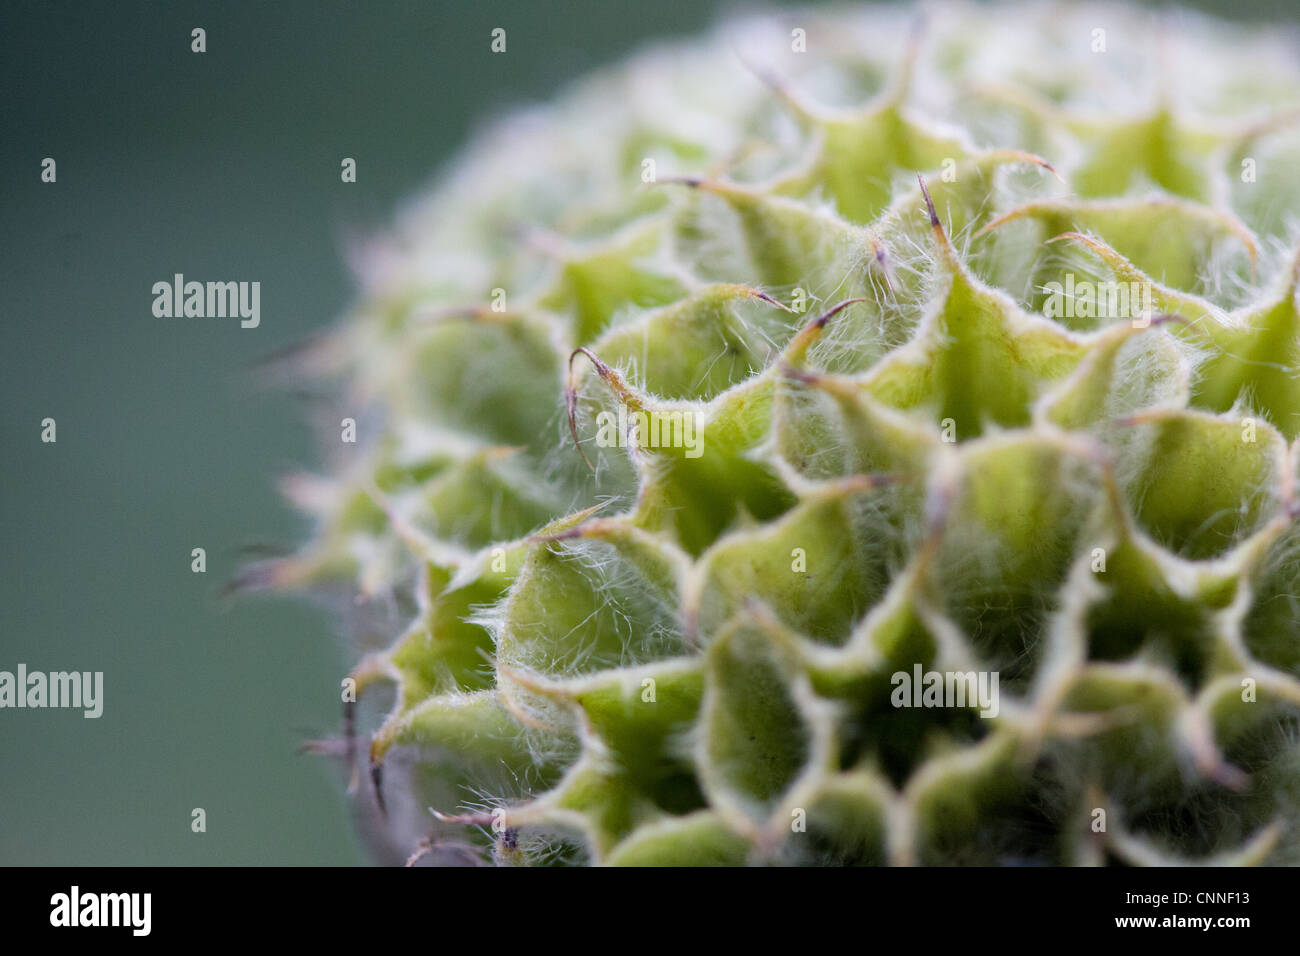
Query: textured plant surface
{"type": "Point", "coordinates": [909, 455]}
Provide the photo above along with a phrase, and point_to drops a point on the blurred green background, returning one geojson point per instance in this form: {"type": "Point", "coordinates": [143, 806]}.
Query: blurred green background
{"type": "Point", "coordinates": [222, 166]}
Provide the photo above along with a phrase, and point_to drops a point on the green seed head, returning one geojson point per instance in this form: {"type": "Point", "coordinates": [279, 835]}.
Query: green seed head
{"type": "Point", "coordinates": [844, 438]}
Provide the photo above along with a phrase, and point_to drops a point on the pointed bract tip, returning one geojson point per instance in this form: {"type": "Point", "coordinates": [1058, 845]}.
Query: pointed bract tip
{"type": "Point", "coordinates": [568, 534]}
{"type": "Point", "coordinates": [760, 294]}
{"type": "Point", "coordinates": [422, 849]}
{"type": "Point", "coordinates": [929, 203]}
{"type": "Point", "coordinates": [324, 747]}
{"type": "Point", "coordinates": [377, 782]}
{"type": "Point", "coordinates": [571, 398]}
{"type": "Point", "coordinates": [835, 310]}
{"type": "Point", "coordinates": [260, 576]}
{"type": "Point", "coordinates": [690, 182]}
